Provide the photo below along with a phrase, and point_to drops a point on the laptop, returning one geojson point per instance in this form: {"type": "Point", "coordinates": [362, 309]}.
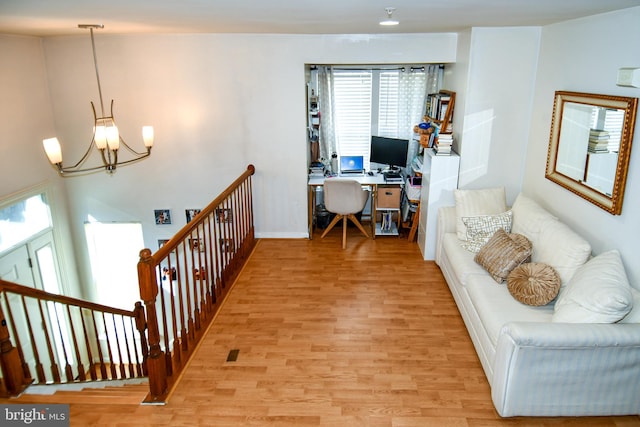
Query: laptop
{"type": "Point", "coordinates": [351, 165]}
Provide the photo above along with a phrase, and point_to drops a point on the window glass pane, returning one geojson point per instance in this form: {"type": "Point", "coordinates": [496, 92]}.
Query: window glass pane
{"type": "Point", "coordinates": [22, 220]}
{"type": "Point", "coordinates": [114, 251]}
{"type": "Point", "coordinates": [352, 90]}
{"type": "Point", "coordinates": [389, 101]}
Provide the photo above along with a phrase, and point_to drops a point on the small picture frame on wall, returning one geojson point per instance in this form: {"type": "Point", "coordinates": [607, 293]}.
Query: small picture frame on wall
{"type": "Point", "coordinates": [169, 273]}
{"type": "Point", "coordinates": [191, 213]}
{"type": "Point", "coordinates": [162, 242]}
{"type": "Point", "coordinates": [196, 244]}
{"type": "Point", "coordinates": [163, 216]}
{"type": "Point", "coordinates": [223, 215]}
{"type": "Point", "coordinates": [227, 245]}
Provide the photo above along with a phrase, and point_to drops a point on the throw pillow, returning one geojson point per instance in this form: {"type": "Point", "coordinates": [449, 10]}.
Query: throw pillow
{"type": "Point", "coordinates": [529, 218]}
{"type": "Point", "coordinates": [554, 243]}
{"type": "Point", "coordinates": [481, 228]}
{"type": "Point", "coordinates": [634, 315]}
{"type": "Point", "coordinates": [502, 253]}
{"type": "Point", "coordinates": [599, 292]}
{"type": "Point", "coordinates": [562, 248]}
{"type": "Point", "coordinates": [489, 201]}
{"type": "Point", "coordinates": [533, 283]}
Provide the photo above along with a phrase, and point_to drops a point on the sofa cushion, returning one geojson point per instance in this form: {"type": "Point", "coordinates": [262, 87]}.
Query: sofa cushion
{"type": "Point", "coordinates": [533, 283]}
{"type": "Point", "coordinates": [554, 243]}
{"type": "Point", "coordinates": [480, 229]}
{"type": "Point", "coordinates": [461, 260]}
{"type": "Point", "coordinates": [598, 292]}
{"type": "Point", "coordinates": [488, 201]}
{"type": "Point", "coordinates": [529, 217]}
{"type": "Point", "coordinates": [502, 253]}
{"type": "Point", "coordinates": [496, 307]}
{"type": "Point", "coordinates": [634, 315]}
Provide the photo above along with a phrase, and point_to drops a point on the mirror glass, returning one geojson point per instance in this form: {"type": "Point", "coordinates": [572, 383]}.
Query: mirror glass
{"type": "Point", "coordinates": [590, 145]}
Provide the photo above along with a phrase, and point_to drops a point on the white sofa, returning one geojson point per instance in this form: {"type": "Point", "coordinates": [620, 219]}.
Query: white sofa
{"type": "Point", "coordinates": [536, 363]}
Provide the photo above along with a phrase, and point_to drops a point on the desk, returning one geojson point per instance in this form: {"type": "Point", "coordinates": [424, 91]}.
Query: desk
{"type": "Point", "coordinates": [366, 181]}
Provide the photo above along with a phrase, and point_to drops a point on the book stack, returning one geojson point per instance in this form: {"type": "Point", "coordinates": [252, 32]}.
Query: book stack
{"type": "Point", "coordinates": [316, 169]}
{"type": "Point", "coordinates": [443, 146]}
{"type": "Point", "coordinates": [598, 141]}
{"type": "Point", "coordinates": [437, 104]}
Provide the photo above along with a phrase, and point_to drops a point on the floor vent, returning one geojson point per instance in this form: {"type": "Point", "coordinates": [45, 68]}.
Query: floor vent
{"type": "Point", "coordinates": [233, 355]}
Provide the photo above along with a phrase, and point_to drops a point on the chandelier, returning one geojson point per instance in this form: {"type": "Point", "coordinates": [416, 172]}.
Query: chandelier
{"type": "Point", "coordinates": [106, 138]}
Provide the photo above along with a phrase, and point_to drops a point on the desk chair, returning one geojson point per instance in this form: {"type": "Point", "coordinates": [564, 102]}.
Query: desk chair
{"type": "Point", "coordinates": [344, 197]}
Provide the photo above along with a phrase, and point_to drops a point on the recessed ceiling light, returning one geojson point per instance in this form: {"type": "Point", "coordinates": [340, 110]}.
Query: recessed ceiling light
{"type": "Point", "coordinates": [389, 20]}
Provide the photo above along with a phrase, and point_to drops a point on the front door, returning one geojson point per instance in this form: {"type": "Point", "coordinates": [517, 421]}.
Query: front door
{"type": "Point", "coordinates": [35, 323]}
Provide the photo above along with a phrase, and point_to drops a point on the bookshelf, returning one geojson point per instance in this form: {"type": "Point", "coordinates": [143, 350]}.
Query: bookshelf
{"type": "Point", "coordinates": [439, 109]}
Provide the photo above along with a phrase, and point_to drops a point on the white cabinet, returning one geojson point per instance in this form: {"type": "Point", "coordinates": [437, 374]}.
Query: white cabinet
{"type": "Point", "coordinates": [439, 179]}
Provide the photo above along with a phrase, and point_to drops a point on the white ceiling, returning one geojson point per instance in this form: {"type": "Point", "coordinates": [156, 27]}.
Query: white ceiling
{"type": "Point", "coordinates": [61, 17]}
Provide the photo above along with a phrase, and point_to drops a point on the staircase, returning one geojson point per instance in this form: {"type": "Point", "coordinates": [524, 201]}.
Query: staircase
{"type": "Point", "coordinates": [49, 340]}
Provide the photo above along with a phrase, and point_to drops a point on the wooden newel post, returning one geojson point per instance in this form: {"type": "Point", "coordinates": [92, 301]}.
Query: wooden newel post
{"type": "Point", "coordinates": [15, 381]}
{"type": "Point", "coordinates": [141, 326]}
{"type": "Point", "coordinates": [148, 292]}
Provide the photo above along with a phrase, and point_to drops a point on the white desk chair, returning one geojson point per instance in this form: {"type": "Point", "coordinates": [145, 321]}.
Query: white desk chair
{"type": "Point", "coordinates": [344, 197]}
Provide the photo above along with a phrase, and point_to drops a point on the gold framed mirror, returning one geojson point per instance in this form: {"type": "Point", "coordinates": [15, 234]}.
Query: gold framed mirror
{"type": "Point", "coordinates": [590, 146]}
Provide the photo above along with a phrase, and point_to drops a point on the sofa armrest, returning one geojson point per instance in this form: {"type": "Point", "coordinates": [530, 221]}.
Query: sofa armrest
{"type": "Point", "coordinates": [551, 369]}
{"type": "Point", "coordinates": [445, 223]}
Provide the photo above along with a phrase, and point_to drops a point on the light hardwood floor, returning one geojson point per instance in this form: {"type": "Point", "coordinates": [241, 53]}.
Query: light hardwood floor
{"type": "Point", "coordinates": [366, 336]}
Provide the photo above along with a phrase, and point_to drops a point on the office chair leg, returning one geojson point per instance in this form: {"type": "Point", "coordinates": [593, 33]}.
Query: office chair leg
{"type": "Point", "coordinates": [344, 232]}
{"type": "Point", "coordinates": [357, 223]}
{"type": "Point", "coordinates": [333, 222]}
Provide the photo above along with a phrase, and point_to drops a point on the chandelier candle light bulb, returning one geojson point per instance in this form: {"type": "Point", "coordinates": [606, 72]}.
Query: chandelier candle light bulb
{"type": "Point", "coordinates": [113, 137]}
{"type": "Point", "coordinates": [147, 136]}
{"type": "Point", "coordinates": [53, 150]}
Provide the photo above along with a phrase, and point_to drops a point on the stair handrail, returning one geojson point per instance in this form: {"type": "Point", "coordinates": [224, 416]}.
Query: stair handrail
{"type": "Point", "coordinates": [16, 372]}
{"type": "Point", "coordinates": [62, 299]}
{"type": "Point", "coordinates": [194, 280]}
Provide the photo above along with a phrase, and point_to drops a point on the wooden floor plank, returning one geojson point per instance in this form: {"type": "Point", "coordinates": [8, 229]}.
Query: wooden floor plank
{"type": "Point", "coordinates": [366, 336]}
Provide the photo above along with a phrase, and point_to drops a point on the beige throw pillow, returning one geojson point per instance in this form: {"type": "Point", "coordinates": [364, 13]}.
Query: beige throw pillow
{"type": "Point", "coordinates": [502, 253]}
{"type": "Point", "coordinates": [533, 283]}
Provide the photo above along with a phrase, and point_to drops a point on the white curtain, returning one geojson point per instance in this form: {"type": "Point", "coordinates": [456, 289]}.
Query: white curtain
{"type": "Point", "coordinates": [401, 94]}
{"type": "Point", "coordinates": [326, 107]}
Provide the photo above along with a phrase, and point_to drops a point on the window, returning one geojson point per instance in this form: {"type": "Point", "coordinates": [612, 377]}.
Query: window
{"type": "Point", "coordinates": [114, 252]}
{"type": "Point", "coordinates": [22, 220]}
{"type": "Point", "coordinates": [376, 101]}
{"type": "Point", "coordinates": [352, 95]}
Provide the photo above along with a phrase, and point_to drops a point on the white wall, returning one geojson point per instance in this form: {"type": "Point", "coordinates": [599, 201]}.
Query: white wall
{"type": "Point", "coordinates": [581, 56]}
{"type": "Point", "coordinates": [497, 79]}
{"type": "Point", "coordinates": [25, 115]}
{"type": "Point", "coordinates": [218, 102]}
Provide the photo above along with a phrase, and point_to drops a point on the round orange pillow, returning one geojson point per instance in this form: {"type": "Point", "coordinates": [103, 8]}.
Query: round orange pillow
{"type": "Point", "coordinates": [534, 283]}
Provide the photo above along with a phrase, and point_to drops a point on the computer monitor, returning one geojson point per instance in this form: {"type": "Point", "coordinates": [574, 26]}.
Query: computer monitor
{"type": "Point", "coordinates": [389, 151]}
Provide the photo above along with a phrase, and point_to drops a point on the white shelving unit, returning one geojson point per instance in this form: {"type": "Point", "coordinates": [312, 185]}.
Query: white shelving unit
{"type": "Point", "coordinates": [388, 208]}
{"type": "Point", "coordinates": [439, 179]}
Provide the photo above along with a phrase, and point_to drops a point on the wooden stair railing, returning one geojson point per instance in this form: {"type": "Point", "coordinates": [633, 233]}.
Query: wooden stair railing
{"type": "Point", "coordinates": [184, 283]}
{"type": "Point", "coordinates": [62, 339]}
